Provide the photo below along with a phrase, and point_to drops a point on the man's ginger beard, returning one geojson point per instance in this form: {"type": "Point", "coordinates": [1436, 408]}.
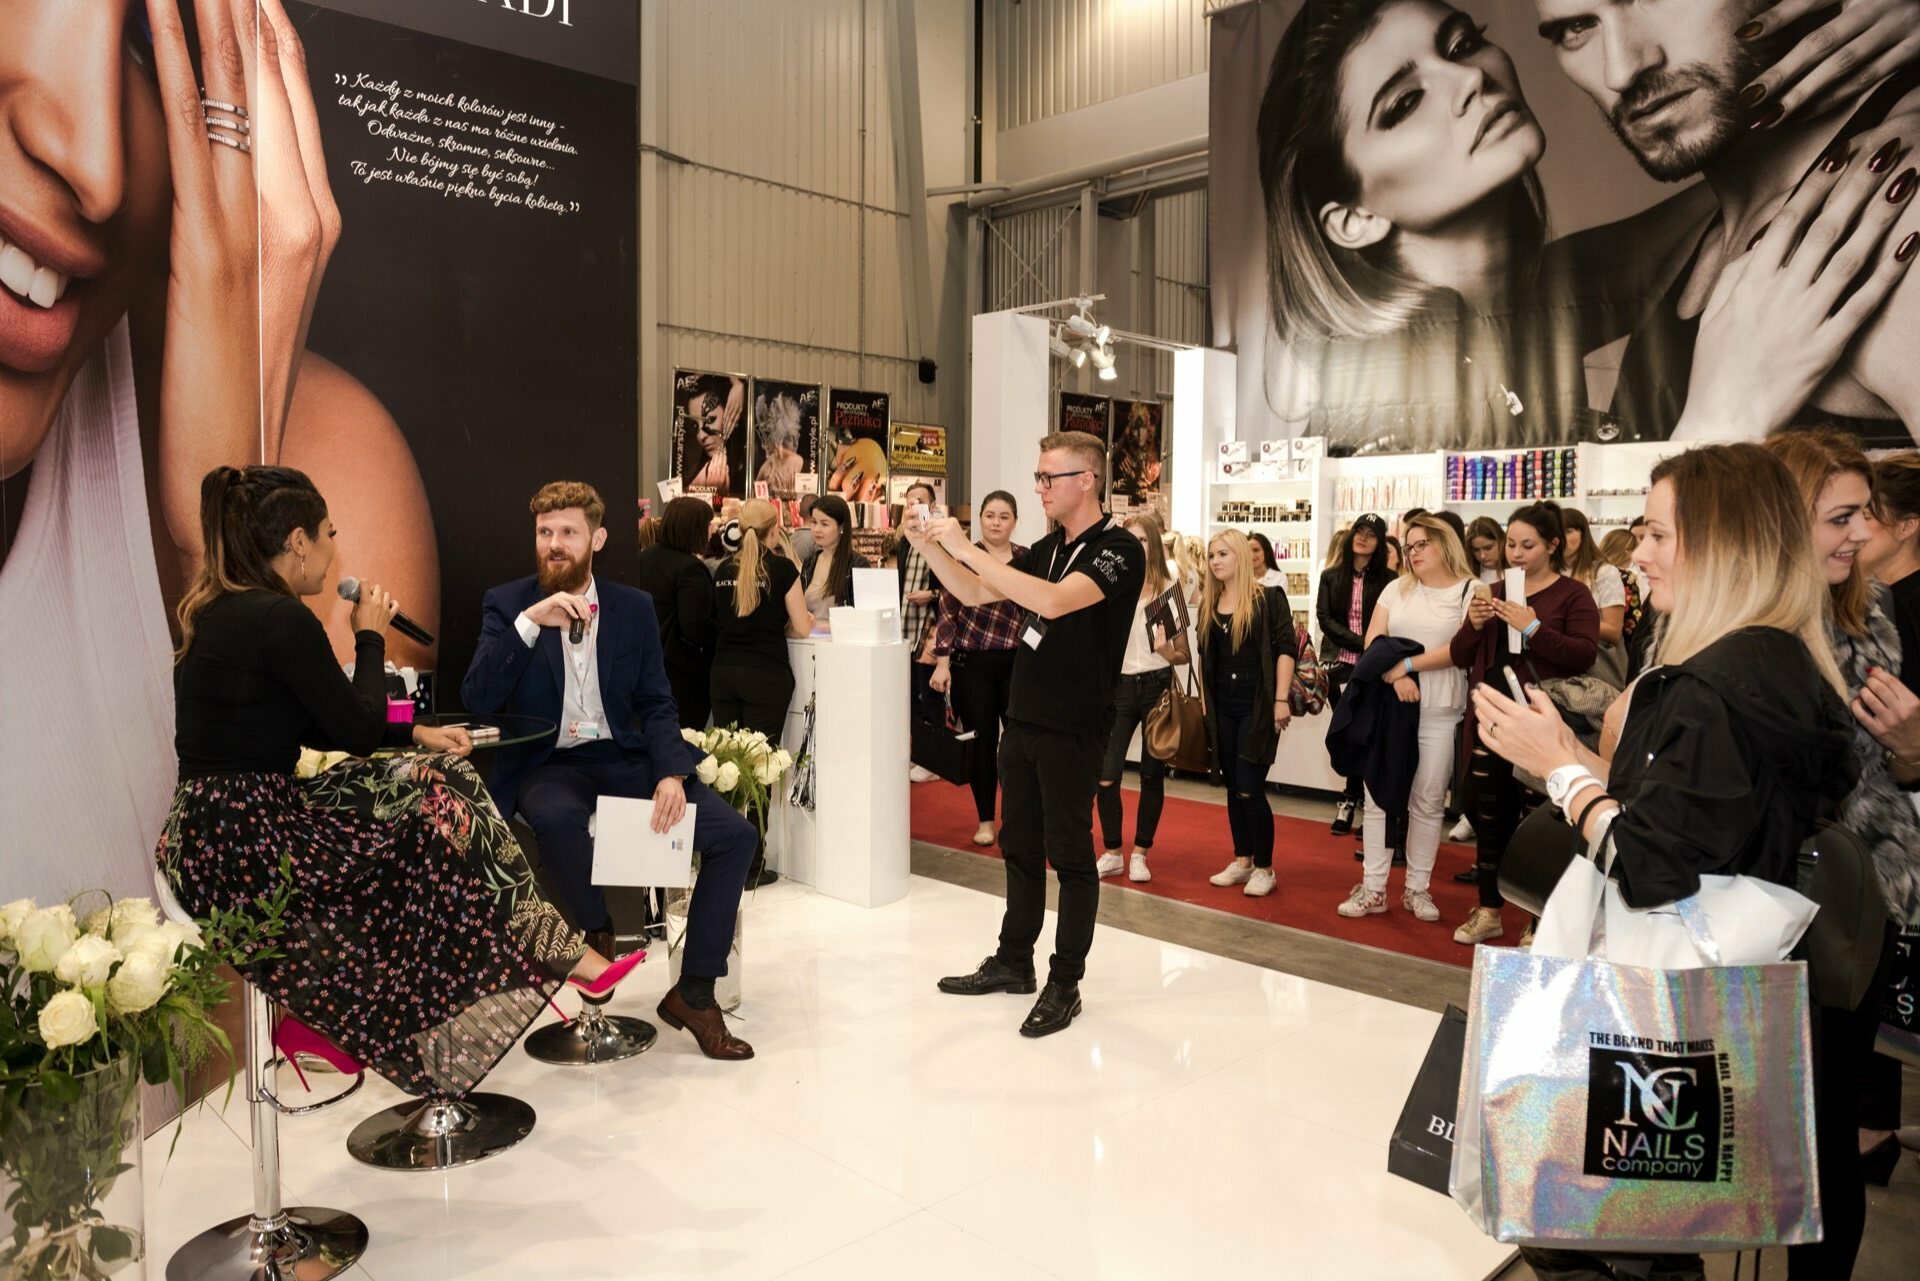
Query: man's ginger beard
{"type": "Point", "coordinates": [570, 576]}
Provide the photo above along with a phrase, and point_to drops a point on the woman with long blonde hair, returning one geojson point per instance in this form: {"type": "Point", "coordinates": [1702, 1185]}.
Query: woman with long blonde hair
{"type": "Point", "coordinates": [1246, 647]}
{"type": "Point", "coordinates": [1146, 670]}
{"type": "Point", "coordinates": [758, 604]}
{"type": "Point", "coordinates": [1424, 605]}
{"type": "Point", "coordinates": [1734, 747]}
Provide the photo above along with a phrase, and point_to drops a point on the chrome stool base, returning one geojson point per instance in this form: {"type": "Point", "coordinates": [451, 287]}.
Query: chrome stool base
{"type": "Point", "coordinates": [439, 1134]}
{"type": "Point", "coordinates": [307, 1244]}
{"type": "Point", "coordinates": [593, 1037]}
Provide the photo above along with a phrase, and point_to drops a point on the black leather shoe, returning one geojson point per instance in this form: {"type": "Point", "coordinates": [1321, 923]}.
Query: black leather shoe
{"type": "Point", "coordinates": [994, 975]}
{"type": "Point", "coordinates": [1053, 1012]}
{"type": "Point", "coordinates": [1469, 877]}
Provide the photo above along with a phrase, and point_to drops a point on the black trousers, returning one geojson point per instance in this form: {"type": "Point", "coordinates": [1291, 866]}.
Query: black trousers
{"type": "Point", "coordinates": [1132, 700]}
{"type": "Point", "coordinates": [691, 695]}
{"type": "Point", "coordinates": [1339, 676]}
{"type": "Point", "coordinates": [557, 800]}
{"type": "Point", "coordinates": [1047, 781]}
{"type": "Point", "coordinates": [1842, 1054]}
{"type": "Point", "coordinates": [1499, 801]}
{"type": "Point", "coordinates": [1249, 812]}
{"type": "Point", "coordinates": [982, 685]}
{"type": "Point", "coordinates": [752, 698]}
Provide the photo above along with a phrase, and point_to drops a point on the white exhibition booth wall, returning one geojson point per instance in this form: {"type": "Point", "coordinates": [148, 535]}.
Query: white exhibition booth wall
{"type": "Point", "coordinates": [1220, 473]}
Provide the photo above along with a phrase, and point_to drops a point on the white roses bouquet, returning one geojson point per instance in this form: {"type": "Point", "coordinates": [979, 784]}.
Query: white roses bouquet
{"type": "Point", "coordinates": [91, 1003]}
{"type": "Point", "coordinates": [743, 766]}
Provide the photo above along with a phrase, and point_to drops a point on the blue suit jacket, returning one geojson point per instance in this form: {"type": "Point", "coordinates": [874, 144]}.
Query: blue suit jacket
{"type": "Point", "coordinates": [508, 675]}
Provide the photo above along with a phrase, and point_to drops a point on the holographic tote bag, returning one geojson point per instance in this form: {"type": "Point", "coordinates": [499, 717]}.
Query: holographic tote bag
{"type": "Point", "coordinates": [1612, 1107]}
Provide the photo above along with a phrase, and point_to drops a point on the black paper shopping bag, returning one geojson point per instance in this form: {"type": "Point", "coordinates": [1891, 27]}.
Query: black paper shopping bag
{"type": "Point", "coordinates": [1422, 1146]}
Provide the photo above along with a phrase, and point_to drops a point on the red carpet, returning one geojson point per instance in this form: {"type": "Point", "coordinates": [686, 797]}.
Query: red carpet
{"type": "Point", "coordinates": [1316, 871]}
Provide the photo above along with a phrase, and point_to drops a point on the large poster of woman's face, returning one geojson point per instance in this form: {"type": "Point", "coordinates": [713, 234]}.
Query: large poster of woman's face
{"type": "Point", "coordinates": [1501, 223]}
{"type": "Point", "coordinates": [786, 425]}
{"type": "Point", "coordinates": [710, 434]}
{"type": "Point", "coordinates": [275, 278]}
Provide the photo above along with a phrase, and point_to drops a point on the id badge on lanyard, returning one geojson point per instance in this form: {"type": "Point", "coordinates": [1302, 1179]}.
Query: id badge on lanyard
{"type": "Point", "coordinates": [1033, 628]}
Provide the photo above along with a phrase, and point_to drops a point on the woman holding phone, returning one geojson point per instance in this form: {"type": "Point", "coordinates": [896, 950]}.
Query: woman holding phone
{"type": "Point", "coordinates": [1559, 629]}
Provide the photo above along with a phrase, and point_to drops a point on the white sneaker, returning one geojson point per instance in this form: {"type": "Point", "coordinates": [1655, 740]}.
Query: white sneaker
{"type": "Point", "coordinates": [1138, 871]}
{"type": "Point", "coordinates": [1236, 874]}
{"type": "Point", "coordinates": [1260, 884]}
{"type": "Point", "coordinates": [1363, 902]}
{"type": "Point", "coordinates": [1462, 831]}
{"type": "Point", "coordinates": [1110, 865]}
{"type": "Point", "coordinates": [919, 775]}
{"type": "Point", "coordinates": [1420, 903]}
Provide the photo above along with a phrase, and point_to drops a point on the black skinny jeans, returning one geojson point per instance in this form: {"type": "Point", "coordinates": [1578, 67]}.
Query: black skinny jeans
{"type": "Point", "coordinates": [1339, 676]}
{"type": "Point", "coordinates": [1499, 802]}
{"type": "Point", "coordinates": [1132, 700]}
{"type": "Point", "coordinates": [982, 684]}
{"type": "Point", "coordinates": [1249, 813]}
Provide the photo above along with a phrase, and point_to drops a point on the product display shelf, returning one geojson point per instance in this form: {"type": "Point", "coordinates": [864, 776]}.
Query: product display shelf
{"type": "Point", "coordinates": [1299, 536]}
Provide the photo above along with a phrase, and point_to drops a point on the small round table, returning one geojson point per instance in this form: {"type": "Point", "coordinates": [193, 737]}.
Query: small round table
{"type": "Point", "coordinates": [514, 729]}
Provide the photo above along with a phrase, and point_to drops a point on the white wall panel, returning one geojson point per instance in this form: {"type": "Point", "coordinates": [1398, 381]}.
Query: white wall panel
{"type": "Point", "coordinates": [1056, 56]}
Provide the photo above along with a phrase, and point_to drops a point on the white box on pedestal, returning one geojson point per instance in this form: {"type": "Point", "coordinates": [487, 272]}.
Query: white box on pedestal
{"type": "Point", "coordinates": [854, 626]}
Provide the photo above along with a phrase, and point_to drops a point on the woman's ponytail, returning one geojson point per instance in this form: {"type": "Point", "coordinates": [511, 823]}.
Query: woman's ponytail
{"type": "Point", "coordinates": [247, 514]}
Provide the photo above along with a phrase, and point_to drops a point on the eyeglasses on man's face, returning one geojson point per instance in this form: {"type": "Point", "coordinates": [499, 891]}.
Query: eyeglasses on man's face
{"type": "Point", "coordinates": [1045, 479]}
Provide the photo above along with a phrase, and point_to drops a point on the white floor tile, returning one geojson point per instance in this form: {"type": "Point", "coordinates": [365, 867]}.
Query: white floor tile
{"type": "Point", "coordinates": [1199, 1184]}
{"type": "Point", "coordinates": [1350, 1073]}
{"type": "Point", "coordinates": [925, 1248]}
{"type": "Point", "coordinates": [1203, 1117]}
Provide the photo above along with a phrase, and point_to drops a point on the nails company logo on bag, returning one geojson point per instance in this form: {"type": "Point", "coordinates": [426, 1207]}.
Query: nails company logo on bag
{"type": "Point", "coordinates": [1658, 1109]}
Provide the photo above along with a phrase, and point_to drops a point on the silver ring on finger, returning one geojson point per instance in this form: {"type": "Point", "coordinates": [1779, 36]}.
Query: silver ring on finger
{"type": "Point", "coordinates": [227, 124]}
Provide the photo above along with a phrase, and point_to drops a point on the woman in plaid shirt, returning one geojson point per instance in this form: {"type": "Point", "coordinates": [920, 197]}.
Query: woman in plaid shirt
{"type": "Point", "coordinates": [973, 648]}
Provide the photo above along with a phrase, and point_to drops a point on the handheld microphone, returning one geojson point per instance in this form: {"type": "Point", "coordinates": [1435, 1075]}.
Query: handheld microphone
{"type": "Point", "coordinates": [577, 631]}
{"type": "Point", "coordinates": [349, 589]}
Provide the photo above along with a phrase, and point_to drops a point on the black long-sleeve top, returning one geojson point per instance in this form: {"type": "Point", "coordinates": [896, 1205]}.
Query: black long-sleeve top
{"type": "Point", "coordinates": [260, 682]}
{"type": "Point", "coordinates": [1725, 764]}
{"type": "Point", "coordinates": [682, 589]}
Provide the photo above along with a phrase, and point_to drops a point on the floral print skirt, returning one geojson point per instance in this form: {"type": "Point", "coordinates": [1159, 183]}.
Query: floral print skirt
{"type": "Point", "coordinates": [415, 938]}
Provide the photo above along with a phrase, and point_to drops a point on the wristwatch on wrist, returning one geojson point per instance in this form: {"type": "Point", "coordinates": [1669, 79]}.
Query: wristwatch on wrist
{"type": "Point", "coordinates": [1560, 783]}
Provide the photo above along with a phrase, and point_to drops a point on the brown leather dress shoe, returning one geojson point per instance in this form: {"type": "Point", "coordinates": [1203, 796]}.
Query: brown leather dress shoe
{"type": "Point", "coordinates": [709, 1027]}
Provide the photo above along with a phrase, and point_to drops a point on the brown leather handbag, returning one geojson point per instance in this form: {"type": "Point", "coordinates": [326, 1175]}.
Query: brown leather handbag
{"type": "Point", "coordinates": [1175, 728]}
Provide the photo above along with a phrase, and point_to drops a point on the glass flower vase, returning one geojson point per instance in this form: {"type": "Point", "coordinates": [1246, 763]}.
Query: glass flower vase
{"type": "Point", "coordinates": [70, 1194]}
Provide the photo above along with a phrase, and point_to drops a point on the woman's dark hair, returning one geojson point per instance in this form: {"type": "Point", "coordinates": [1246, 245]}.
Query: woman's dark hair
{"type": "Point", "coordinates": [684, 523]}
{"type": "Point", "coordinates": [1376, 565]}
{"type": "Point", "coordinates": [1318, 290]}
{"type": "Point", "coordinates": [835, 508]}
{"type": "Point", "coordinates": [1453, 521]}
{"type": "Point", "coordinates": [1896, 486]}
{"type": "Point", "coordinates": [1544, 520]}
{"type": "Point", "coordinates": [1001, 496]}
{"type": "Point", "coordinates": [247, 514]}
{"type": "Point", "coordinates": [1266, 548]}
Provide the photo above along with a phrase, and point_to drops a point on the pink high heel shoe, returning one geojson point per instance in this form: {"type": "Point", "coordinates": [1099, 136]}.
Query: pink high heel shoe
{"type": "Point", "coordinates": [292, 1038]}
{"type": "Point", "coordinates": [601, 988]}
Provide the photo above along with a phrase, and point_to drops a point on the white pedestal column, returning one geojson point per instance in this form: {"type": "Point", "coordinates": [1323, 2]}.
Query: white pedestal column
{"type": "Point", "coordinates": [853, 845]}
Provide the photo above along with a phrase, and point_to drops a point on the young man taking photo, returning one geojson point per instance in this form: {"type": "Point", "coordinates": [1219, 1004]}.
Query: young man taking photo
{"type": "Point", "coordinates": [1078, 586]}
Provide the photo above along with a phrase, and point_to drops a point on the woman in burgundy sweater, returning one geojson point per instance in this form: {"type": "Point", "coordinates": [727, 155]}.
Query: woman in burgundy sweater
{"type": "Point", "coordinates": [1560, 630]}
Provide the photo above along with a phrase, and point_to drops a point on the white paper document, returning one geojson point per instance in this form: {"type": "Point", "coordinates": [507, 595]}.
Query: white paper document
{"type": "Point", "coordinates": [876, 589]}
{"type": "Point", "coordinates": [627, 851]}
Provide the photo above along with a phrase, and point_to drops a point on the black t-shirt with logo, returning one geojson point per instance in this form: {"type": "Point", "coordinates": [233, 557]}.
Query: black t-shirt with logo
{"type": "Point", "coordinates": [760, 639]}
{"type": "Point", "coordinates": [1067, 683]}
